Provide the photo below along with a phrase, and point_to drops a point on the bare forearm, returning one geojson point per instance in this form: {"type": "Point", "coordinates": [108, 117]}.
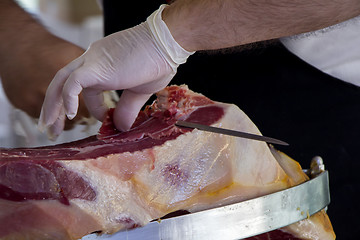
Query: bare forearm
{"type": "Point", "coordinates": [29, 56]}
{"type": "Point", "coordinates": [212, 24]}
{"type": "Point", "coordinates": [17, 28]}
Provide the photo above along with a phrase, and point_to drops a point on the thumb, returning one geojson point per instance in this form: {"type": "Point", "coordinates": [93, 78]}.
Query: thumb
{"type": "Point", "coordinates": [128, 108]}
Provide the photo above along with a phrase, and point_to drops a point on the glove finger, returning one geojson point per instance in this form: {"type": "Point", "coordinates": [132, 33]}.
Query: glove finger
{"type": "Point", "coordinates": [94, 100]}
{"type": "Point", "coordinates": [57, 127]}
{"type": "Point", "coordinates": [128, 108]}
{"type": "Point", "coordinates": [71, 90]}
{"type": "Point", "coordinates": [53, 102]}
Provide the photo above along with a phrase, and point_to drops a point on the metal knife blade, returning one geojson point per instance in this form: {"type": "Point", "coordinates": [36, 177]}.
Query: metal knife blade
{"type": "Point", "coordinates": [239, 220]}
{"type": "Point", "coordinates": [230, 132]}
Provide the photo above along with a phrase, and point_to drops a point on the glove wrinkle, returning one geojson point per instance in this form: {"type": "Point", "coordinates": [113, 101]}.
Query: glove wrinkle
{"type": "Point", "coordinates": [140, 60]}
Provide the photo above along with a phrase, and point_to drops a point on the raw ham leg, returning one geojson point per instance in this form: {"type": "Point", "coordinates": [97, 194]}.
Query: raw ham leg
{"type": "Point", "coordinates": [121, 180]}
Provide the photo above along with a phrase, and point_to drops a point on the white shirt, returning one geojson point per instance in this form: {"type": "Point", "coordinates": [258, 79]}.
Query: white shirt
{"type": "Point", "coordinates": [334, 50]}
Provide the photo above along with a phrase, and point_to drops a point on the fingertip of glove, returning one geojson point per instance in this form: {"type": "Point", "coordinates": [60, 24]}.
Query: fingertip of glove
{"type": "Point", "coordinates": [54, 130]}
{"type": "Point", "coordinates": [122, 126]}
{"type": "Point", "coordinates": [70, 116]}
{"type": "Point", "coordinates": [51, 133]}
{"type": "Point", "coordinates": [42, 126]}
{"type": "Point", "coordinates": [123, 120]}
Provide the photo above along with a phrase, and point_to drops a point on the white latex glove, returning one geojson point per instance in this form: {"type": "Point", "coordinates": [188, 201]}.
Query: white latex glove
{"type": "Point", "coordinates": [141, 60]}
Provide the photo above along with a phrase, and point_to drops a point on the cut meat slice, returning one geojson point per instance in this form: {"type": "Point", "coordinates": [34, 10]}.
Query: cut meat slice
{"type": "Point", "coordinates": [121, 180]}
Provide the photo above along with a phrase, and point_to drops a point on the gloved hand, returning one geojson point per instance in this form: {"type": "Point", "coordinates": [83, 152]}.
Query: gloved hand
{"type": "Point", "coordinates": [141, 60]}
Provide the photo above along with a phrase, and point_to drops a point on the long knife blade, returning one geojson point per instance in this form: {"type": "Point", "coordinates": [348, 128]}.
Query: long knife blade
{"type": "Point", "coordinates": [230, 132]}
{"type": "Point", "coordinates": [239, 220]}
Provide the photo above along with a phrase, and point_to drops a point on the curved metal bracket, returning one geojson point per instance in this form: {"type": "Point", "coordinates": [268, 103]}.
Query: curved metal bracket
{"type": "Point", "coordinates": [240, 220]}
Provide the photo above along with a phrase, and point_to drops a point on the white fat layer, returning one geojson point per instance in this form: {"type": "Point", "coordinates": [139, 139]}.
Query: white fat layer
{"type": "Point", "coordinates": [201, 160]}
{"type": "Point", "coordinates": [115, 199]}
{"type": "Point", "coordinates": [310, 228]}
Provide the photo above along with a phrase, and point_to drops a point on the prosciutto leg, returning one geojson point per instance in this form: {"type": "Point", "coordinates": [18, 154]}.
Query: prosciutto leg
{"type": "Point", "coordinates": [121, 180]}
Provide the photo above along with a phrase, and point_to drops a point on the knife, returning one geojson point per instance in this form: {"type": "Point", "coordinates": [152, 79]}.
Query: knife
{"type": "Point", "coordinates": [230, 132]}
{"type": "Point", "coordinates": [238, 220]}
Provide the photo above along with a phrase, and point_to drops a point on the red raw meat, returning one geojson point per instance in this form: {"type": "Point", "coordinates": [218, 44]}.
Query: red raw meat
{"type": "Point", "coordinates": [121, 180]}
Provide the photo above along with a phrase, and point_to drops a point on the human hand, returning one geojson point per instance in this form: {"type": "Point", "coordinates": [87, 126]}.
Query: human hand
{"type": "Point", "coordinates": [141, 60]}
{"type": "Point", "coordinates": [27, 72]}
